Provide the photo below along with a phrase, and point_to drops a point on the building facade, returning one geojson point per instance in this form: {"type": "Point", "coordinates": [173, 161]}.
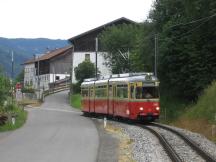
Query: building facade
{"type": "Point", "coordinates": [40, 72]}
{"type": "Point", "coordinates": [85, 47]}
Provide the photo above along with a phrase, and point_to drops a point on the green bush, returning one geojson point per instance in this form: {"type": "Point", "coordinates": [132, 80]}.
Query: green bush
{"type": "Point", "coordinates": [10, 107]}
{"type": "Point", "coordinates": [76, 87]}
{"type": "Point", "coordinates": [5, 89]}
{"type": "Point", "coordinates": [27, 90]}
{"type": "Point", "coordinates": [21, 117]}
{"type": "Point", "coordinates": [171, 107]}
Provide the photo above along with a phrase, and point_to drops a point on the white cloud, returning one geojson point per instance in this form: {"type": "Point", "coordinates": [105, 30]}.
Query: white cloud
{"type": "Point", "coordinates": [64, 18]}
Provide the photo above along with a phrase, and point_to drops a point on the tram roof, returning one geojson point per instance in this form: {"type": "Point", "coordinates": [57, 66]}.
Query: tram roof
{"type": "Point", "coordinates": [141, 78]}
{"type": "Point", "coordinates": [122, 79]}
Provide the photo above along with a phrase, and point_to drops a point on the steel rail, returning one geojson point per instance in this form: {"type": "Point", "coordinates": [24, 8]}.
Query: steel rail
{"type": "Point", "coordinates": [168, 148]}
{"type": "Point", "coordinates": [205, 155]}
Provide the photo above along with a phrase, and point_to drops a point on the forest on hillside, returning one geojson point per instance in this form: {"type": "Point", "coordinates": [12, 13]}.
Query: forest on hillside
{"type": "Point", "coordinates": [185, 37]}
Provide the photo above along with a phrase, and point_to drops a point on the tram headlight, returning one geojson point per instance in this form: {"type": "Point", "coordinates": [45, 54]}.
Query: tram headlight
{"type": "Point", "coordinates": [141, 108]}
{"type": "Point", "coordinates": [157, 108]}
{"type": "Point", "coordinates": [128, 112]}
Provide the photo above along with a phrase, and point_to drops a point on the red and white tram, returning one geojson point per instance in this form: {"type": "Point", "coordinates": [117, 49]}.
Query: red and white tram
{"type": "Point", "coordinates": [132, 96]}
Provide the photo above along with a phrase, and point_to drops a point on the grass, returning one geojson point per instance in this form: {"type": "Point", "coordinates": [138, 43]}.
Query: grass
{"type": "Point", "coordinates": [20, 120]}
{"type": "Point", "coordinates": [206, 105]}
{"type": "Point", "coordinates": [201, 117]}
{"type": "Point", "coordinates": [75, 101]}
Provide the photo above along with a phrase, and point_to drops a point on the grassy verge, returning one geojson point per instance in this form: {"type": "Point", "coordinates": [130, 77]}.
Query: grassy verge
{"type": "Point", "coordinates": [201, 117]}
{"type": "Point", "coordinates": [75, 101]}
{"type": "Point", "coordinates": [34, 103]}
{"type": "Point", "coordinates": [20, 120]}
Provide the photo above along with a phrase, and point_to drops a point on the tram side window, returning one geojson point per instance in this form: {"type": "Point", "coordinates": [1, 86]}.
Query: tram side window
{"type": "Point", "coordinates": [122, 91]}
{"type": "Point", "coordinates": [101, 91]}
{"type": "Point", "coordinates": [92, 92]}
{"type": "Point", "coordinates": [84, 92]}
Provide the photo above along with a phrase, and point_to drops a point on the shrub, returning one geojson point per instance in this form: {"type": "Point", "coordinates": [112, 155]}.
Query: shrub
{"type": "Point", "coordinates": [76, 87]}
{"type": "Point", "coordinates": [10, 107]}
{"type": "Point", "coordinates": [28, 90]}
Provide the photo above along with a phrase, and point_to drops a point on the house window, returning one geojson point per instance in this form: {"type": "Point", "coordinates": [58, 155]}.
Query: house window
{"type": "Point", "coordinates": [57, 78]}
{"type": "Point", "coordinates": [87, 57]}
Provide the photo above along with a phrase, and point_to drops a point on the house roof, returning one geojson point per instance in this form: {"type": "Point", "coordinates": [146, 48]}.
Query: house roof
{"type": "Point", "coordinates": [49, 55]}
{"type": "Point", "coordinates": [117, 21]}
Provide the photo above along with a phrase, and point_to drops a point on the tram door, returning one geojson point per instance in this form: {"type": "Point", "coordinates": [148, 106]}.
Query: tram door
{"type": "Point", "coordinates": [91, 99]}
{"type": "Point", "coordinates": [88, 99]}
{"type": "Point", "coordinates": [112, 94]}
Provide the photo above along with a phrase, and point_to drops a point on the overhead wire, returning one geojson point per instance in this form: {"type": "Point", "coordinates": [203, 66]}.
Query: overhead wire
{"type": "Point", "coordinates": [193, 21]}
{"type": "Point", "coordinates": [205, 19]}
{"type": "Point", "coordinates": [188, 32]}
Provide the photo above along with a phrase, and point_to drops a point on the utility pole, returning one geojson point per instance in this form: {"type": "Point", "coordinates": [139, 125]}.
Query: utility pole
{"type": "Point", "coordinates": [12, 74]}
{"type": "Point", "coordinates": [38, 67]}
{"type": "Point", "coordinates": [129, 67]}
{"type": "Point", "coordinates": [156, 54]}
{"type": "Point", "coordinates": [96, 51]}
{"type": "Point", "coordinates": [72, 58]}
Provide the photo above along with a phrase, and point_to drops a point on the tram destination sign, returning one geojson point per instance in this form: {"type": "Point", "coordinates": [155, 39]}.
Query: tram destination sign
{"type": "Point", "coordinates": [148, 84]}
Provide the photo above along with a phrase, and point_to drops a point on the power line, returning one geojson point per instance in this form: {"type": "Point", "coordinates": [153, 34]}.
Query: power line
{"type": "Point", "coordinates": [194, 21]}
{"type": "Point", "coordinates": [190, 31]}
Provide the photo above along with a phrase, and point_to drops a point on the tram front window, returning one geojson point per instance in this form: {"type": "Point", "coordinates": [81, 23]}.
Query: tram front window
{"type": "Point", "coordinates": [147, 92]}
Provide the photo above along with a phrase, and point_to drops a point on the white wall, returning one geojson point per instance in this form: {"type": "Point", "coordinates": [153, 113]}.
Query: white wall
{"type": "Point", "coordinates": [50, 78]}
{"type": "Point", "coordinates": [29, 74]}
{"type": "Point", "coordinates": [31, 78]}
{"type": "Point", "coordinates": [79, 57]}
{"type": "Point", "coordinates": [61, 76]}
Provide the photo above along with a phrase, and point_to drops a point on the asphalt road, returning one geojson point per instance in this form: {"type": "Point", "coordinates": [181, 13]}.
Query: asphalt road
{"type": "Point", "coordinates": [53, 133]}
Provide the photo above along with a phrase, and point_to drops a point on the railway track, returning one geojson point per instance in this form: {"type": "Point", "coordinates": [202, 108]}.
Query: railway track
{"type": "Point", "coordinates": [170, 150]}
{"type": "Point", "coordinates": [172, 153]}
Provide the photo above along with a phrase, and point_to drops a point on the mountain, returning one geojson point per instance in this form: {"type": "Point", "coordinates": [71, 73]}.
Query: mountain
{"type": "Point", "coordinates": [24, 49]}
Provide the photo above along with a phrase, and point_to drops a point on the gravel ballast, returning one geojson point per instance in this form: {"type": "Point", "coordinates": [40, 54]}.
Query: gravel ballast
{"type": "Point", "coordinates": [202, 141]}
{"type": "Point", "coordinates": [147, 148]}
{"type": "Point", "coordinates": [185, 152]}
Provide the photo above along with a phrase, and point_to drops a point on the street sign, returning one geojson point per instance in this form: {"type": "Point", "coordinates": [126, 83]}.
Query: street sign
{"type": "Point", "coordinates": [18, 86]}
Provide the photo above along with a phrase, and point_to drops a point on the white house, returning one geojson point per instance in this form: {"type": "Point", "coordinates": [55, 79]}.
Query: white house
{"type": "Point", "coordinates": [53, 66]}
{"type": "Point", "coordinates": [42, 71]}
{"type": "Point", "coordinates": [84, 46]}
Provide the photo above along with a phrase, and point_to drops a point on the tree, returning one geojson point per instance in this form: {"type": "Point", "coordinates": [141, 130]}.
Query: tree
{"type": "Point", "coordinates": [120, 43]}
{"type": "Point", "coordinates": [84, 70]}
{"type": "Point", "coordinates": [187, 57]}
{"type": "Point", "coordinates": [4, 88]}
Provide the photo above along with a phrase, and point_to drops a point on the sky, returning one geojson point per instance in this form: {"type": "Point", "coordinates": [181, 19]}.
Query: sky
{"type": "Point", "coordinates": [63, 19]}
